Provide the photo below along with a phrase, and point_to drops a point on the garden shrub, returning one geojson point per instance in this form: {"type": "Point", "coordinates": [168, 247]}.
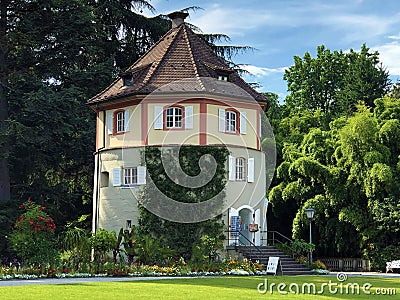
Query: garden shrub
{"type": "Point", "coordinates": [76, 245]}
{"type": "Point", "coordinates": [379, 256]}
{"type": "Point", "coordinates": [103, 242]}
{"type": "Point", "coordinates": [33, 237]}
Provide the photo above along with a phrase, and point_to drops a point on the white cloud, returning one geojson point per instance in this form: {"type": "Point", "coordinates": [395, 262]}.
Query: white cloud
{"type": "Point", "coordinates": [389, 56]}
{"type": "Point", "coordinates": [394, 37]}
{"type": "Point", "coordinates": [261, 71]}
{"type": "Point", "coordinates": [231, 21]}
{"type": "Point", "coordinates": [360, 27]}
{"type": "Point", "coordinates": [349, 23]}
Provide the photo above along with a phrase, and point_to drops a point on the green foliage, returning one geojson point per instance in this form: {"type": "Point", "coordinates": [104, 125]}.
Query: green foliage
{"type": "Point", "coordinates": [76, 244]}
{"type": "Point", "coordinates": [103, 242]}
{"type": "Point", "coordinates": [318, 265]}
{"type": "Point", "coordinates": [379, 255]}
{"type": "Point", "coordinates": [33, 236]}
{"type": "Point", "coordinates": [8, 214]}
{"type": "Point", "coordinates": [151, 252]}
{"type": "Point", "coordinates": [302, 247]}
{"type": "Point", "coordinates": [129, 240]}
{"type": "Point", "coordinates": [335, 82]}
{"type": "Point", "coordinates": [348, 171]}
{"type": "Point", "coordinates": [177, 236]}
{"type": "Point", "coordinates": [210, 246]}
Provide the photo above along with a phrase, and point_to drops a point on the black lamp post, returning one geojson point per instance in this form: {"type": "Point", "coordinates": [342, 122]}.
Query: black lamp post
{"type": "Point", "coordinates": [310, 215]}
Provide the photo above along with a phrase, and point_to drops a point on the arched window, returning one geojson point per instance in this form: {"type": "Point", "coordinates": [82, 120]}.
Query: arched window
{"type": "Point", "coordinates": [231, 121]}
{"type": "Point", "coordinates": [173, 117]}
{"type": "Point", "coordinates": [120, 121]}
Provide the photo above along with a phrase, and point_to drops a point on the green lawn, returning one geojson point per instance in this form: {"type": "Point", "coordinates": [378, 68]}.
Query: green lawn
{"type": "Point", "coordinates": [200, 288]}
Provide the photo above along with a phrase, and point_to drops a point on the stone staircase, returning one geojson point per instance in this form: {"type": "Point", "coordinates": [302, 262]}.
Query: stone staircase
{"type": "Point", "coordinates": [289, 265]}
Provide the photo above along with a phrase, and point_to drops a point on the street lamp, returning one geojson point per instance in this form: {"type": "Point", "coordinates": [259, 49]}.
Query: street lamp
{"type": "Point", "coordinates": [310, 215]}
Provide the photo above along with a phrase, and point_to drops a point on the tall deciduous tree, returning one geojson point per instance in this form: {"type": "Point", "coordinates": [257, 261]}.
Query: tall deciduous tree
{"type": "Point", "coordinates": [335, 82]}
{"type": "Point", "coordinates": [348, 173]}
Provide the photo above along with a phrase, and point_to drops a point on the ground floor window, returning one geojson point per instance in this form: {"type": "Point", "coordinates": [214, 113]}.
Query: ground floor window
{"type": "Point", "coordinates": [130, 176]}
{"type": "Point", "coordinates": [240, 168]}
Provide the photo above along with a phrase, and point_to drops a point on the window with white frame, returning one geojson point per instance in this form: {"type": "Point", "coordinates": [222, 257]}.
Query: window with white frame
{"type": "Point", "coordinates": [240, 169]}
{"type": "Point", "coordinates": [130, 176]}
{"type": "Point", "coordinates": [120, 121]}
{"type": "Point", "coordinates": [237, 167]}
{"type": "Point", "coordinates": [230, 121]}
{"type": "Point", "coordinates": [173, 117]}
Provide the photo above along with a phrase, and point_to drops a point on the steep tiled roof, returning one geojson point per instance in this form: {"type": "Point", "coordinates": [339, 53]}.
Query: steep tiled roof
{"type": "Point", "coordinates": [178, 55]}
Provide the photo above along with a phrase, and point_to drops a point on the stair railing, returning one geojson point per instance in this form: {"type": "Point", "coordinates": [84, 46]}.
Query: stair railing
{"type": "Point", "coordinates": [237, 239]}
{"type": "Point", "coordinates": [275, 237]}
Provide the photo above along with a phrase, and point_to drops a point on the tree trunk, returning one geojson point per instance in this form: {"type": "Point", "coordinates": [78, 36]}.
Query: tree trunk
{"type": "Point", "coordinates": [4, 145]}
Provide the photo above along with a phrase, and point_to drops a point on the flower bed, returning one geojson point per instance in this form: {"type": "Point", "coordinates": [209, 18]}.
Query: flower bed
{"type": "Point", "coordinates": [135, 274]}
{"type": "Point", "coordinates": [228, 267]}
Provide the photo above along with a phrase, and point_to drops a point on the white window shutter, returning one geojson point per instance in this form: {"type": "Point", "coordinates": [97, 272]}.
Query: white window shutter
{"type": "Point", "coordinates": [126, 120]}
{"type": "Point", "coordinates": [250, 170]}
{"type": "Point", "coordinates": [188, 117]}
{"type": "Point", "coordinates": [141, 175]}
{"type": "Point", "coordinates": [231, 168]}
{"type": "Point", "coordinates": [243, 125]}
{"type": "Point", "coordinates": [110, 117]}
{"type": "Point", "coordinates": [221, 119]}
{"type": "Point", "coordinates": [116, 176]}
{"type": "Point", "coordinates": [158, 117]}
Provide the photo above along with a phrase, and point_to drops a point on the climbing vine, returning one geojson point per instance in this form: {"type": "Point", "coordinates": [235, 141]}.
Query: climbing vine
{"type": "Point", "coordinates": [181, 237]}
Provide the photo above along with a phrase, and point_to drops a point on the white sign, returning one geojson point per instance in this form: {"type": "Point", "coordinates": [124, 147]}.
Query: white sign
{"type": "Point", "coordinates": [272, 266]}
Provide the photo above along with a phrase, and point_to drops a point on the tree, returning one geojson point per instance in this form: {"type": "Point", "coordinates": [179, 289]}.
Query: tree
{"type": "Point", "coordinates": [348, 173]}
{"type": "Point", "coordinates": [4, 145]}
{"type": "Point", "coordinates": [61, 53]}
{"type": "Point", "coordinates": [335, 82]}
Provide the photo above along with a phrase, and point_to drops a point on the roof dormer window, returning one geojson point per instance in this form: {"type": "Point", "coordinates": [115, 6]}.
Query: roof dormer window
{"type": "Point", "coordinates": [223, 77]}
{"type": "Point", "coordinates": [127, 79]}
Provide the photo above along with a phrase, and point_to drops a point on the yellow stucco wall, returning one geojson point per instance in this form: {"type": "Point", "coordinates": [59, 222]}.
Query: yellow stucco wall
{"type": "Point", "coordinates": [173, 136]}
{"type": "Point", "coordinates": [214, 136]}
{"type": "Point", "coordinates": [134, 138]}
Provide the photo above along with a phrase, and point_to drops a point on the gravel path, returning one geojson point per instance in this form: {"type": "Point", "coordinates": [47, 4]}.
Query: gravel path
{"type": "Point", "coordinates": [21, 282]}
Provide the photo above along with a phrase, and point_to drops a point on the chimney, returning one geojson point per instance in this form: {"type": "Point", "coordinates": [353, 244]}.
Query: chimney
{"type": "Point", "coordinates": [177, 18]}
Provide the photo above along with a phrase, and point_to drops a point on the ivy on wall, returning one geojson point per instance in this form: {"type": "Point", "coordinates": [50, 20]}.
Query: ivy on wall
{"type": "Point", "coordinates": [181, 237]}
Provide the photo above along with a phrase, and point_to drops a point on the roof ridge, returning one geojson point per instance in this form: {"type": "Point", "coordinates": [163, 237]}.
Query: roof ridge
{"type": "Point", "coordinates": [148, 51]}
{"type": "Point", "coordinates": [157, 64]}
{"type": "Point", "coordinates": [192, 57]}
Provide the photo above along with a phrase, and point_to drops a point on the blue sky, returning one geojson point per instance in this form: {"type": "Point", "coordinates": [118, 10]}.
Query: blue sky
{"type": "Point", "coordinates": [281, 29]}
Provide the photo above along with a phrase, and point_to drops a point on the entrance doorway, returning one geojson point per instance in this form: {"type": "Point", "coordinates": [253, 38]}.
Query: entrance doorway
{"type": "Point", "coordinates": [246, 216]}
